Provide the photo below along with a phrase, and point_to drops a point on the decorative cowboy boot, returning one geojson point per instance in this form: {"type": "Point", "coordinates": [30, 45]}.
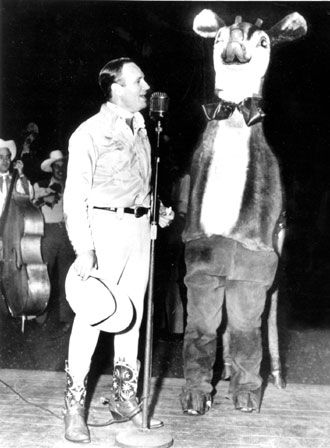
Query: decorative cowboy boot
{"type": "Point", "coordinates": [123, 404]}
{"type": "Point", "coordinates": [76, 429]}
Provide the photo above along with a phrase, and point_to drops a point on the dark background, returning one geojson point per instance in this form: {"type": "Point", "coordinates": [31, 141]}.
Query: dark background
{"type": "Point", "coordinates": [51, 54]}
{"type": "Point", "coordinates": [52, 51]}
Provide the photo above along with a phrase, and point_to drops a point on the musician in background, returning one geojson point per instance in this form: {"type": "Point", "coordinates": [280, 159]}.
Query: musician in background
{"type": "Point", "coordinates": [7, 155]}
{"type": "Point", "coordinates": [56, 248]}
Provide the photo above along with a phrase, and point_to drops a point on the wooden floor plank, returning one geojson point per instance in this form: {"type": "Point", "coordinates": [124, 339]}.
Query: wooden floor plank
{"type": "Point", "coordinates": [297, 417]}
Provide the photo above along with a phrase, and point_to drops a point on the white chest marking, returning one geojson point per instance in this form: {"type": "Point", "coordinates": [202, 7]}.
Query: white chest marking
{"type": "Point", "coordinates": [227, 178]}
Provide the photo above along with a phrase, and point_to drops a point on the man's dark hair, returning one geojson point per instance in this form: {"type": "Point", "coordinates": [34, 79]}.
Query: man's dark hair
{"type": "Point", "coordinates": [111, 73]}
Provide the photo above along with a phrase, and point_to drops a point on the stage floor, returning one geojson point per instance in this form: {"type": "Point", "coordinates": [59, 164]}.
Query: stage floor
{"type": "Point", "coordinates": [298, 416]}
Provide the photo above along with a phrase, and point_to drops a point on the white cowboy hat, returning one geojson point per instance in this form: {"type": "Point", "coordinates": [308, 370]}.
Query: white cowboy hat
{"type": "Point", "coordinates": [101, 304]}
{"type": "Point", "coordinates": [54, 156]}
{"type": "Point", "coordinates": [9, 144]}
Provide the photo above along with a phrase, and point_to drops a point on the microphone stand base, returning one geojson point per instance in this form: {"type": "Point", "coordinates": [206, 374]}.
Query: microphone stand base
{"type": "Point", "coordinates": [144, 438]}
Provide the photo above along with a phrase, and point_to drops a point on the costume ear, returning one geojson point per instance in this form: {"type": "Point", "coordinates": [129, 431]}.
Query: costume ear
{"type": "Point", "coordinates": [290, 28]}
{"type": "Point", "coordinates": [207, 23]}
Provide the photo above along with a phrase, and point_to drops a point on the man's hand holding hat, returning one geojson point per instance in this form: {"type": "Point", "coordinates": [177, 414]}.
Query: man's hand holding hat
{"type": "Point", "coordinates": [99, 302]}
{"type": "Point", "coordinates": [84, 264]}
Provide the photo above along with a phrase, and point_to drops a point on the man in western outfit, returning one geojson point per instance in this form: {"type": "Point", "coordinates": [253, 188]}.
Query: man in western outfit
{"type": "Point", "coordinates": [56, 248]}
{"type": "Point", "coordinates": [107, 207]}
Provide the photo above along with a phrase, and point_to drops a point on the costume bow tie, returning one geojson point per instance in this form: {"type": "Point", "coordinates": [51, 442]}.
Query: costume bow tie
{"type": "Point", "coordinates": [250, 108]}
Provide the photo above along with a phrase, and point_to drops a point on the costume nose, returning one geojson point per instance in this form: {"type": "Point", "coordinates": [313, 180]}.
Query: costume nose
{"type": "Point", "coordinates": [235, 48]}
{"type": "Point", "coordinates": [236, 35]}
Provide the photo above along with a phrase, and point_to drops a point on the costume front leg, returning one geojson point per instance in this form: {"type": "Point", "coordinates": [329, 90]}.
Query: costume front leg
{"type": "Point", "coordinates": [245, 303]}
{"type": "Point", "coordinates": [204, 313]}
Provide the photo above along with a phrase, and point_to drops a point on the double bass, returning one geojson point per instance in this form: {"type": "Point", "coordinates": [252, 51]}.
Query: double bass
{"type": "Point", "coordinates": [24, 279]}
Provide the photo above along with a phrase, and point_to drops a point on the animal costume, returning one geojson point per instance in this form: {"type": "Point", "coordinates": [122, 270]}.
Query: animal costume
{"type": "Point", "coordinates": [234, 206]}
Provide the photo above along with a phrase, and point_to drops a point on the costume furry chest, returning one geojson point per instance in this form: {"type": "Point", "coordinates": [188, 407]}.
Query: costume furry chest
{"type": "Point", "coordinates": [235, 185]}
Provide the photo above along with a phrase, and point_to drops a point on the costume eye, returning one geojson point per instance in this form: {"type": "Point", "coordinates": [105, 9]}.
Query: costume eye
{"type": "Point", "coordinates": [219, 38]}
{"type": "Point", "coordinates": [263, 42]}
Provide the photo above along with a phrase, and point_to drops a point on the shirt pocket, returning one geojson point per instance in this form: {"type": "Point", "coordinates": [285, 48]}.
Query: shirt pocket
{"type": "Point", "coordinates": [114, 162]}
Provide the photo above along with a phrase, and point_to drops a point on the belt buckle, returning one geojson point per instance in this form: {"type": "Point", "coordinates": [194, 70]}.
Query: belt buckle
{"type": "Point", "coordinates": [139, 211]}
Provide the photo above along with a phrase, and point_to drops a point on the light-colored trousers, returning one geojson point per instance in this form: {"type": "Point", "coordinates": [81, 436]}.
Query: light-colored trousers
{"type": "Point", "coordinates": [122, 244]}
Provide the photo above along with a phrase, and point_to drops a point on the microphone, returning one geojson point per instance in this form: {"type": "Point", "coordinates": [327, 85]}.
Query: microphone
{"type": "Point", "coordinates": [159, 102]}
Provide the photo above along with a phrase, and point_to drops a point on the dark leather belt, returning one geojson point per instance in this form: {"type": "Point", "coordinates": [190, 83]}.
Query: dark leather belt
{"type": "Point", "coordinates": [137, 212]}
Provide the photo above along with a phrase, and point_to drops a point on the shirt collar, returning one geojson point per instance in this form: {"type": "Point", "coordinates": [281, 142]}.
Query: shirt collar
{"type": "Point", "coordinates": [124, 114]}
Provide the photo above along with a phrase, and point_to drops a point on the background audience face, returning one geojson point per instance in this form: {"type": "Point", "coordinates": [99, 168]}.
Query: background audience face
{"type": "Point", "coordinates": [5, 159]}
{"type": "Point", "coordinates": [58, 169]}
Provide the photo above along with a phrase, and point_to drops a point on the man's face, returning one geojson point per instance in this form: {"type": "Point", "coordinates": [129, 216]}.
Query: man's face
{"type": "Point", "coordinates": [58, 169]}
{"type": "Point", "coordinates": [133, 88]}
{"type": "Point", "coordinates": [5, 159]}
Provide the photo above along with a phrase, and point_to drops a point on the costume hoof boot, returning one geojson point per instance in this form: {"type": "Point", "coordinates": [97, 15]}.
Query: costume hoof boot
{"type": "Point", "coordinates": [76, 429]}
{"type": "Point", "coordinates": [195, 402]}
{"type": "Point", "coordinates": [247, 401]}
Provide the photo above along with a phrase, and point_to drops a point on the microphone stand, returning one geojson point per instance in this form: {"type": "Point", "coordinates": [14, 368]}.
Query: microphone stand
{"type": "Point", "coordinates": [150, 304]}
{"type": "Point", "coordinates": [143, 437]}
